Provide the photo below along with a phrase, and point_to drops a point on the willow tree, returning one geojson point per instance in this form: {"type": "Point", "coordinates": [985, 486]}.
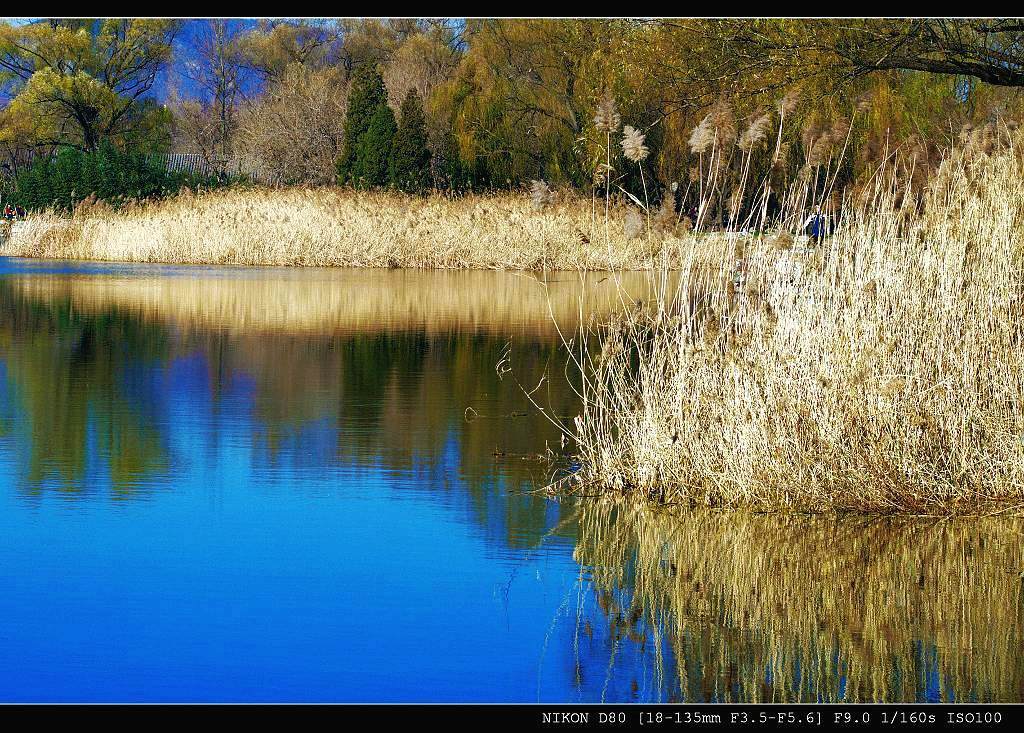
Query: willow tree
{"type": "Point", "coordinates": [870, 86]}
{"type": "Point", "coordinates": [524, 94]}
{"type": "Point", "coordinates": [78, 83]}
{"type": "Point", "coordinates": [988, 49]}
{"type": "Point", "coordinates": [274, 46]}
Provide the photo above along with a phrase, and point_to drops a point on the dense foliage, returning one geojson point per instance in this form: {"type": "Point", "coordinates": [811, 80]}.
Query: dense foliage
{"type": "Point", "coordinates": [107, 174]}
{"type": "Point", "coordinates": [370, 169]}
{"type": "Point", "coordinates": [80, 82]}
{"type": "Point", "coordinates": [502, 102]}
{"type": "Point", "coordinates": [366, 97]}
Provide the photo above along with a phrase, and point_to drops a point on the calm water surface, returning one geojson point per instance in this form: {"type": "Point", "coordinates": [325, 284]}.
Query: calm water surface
{"type": "Point", "coordinates": [230, 484]}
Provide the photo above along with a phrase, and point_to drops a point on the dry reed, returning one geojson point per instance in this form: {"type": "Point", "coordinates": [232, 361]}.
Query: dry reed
{"type": "Point", "coordinates": [881, 372]}
{"type": "Point", "coordinates": [334, 227]}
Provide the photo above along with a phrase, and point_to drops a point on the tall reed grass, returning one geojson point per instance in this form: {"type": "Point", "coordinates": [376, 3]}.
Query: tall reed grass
{"type": "Point", "coordinates": [336, 227]}
{"type": "Point", "coordinates": [881, 371]}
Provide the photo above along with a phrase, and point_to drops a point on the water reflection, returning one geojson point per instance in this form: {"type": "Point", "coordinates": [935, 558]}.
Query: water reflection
{"type": "Point", "coordinates": [323, 301]}
{"type": "Point", "coordinates": [265, 485]}
{"type": "Point", "coordinates": [744, 607]}
{"type": "Point", "coordinates": [100, 375]}
{"type": "Point", "coordinates": [80, 385]}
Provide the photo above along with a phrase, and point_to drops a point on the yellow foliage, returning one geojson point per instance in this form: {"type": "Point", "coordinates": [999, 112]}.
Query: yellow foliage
{"type": "Point", "coordinates": [80, 81]}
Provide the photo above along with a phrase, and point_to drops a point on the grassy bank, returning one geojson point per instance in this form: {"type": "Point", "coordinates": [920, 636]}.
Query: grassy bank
{"type": "Point", "coordinates": [882, 373]}
{"type": "Point", "coordinates": [335, 227]}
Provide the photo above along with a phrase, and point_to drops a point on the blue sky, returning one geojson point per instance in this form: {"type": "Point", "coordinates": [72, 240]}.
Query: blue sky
{"type": "Point", "coordinates": [183, 53]}
{"type": "Point", "coordinates": [170, 78]}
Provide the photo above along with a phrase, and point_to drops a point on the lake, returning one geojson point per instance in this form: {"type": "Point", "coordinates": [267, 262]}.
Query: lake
{"type": "Point", "coordinates": [228, 484]}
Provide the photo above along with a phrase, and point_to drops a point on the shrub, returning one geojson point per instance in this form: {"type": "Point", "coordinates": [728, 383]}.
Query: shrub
{"type": "Point", "coordinates": [295, 131]}
{"type": "Point", "coordinates": [108, 174]}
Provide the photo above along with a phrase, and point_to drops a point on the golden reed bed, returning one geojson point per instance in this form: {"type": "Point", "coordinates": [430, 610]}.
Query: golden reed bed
{"type": "Point", "coordinates": [338, 228]}
{"type": "Point", "coordinates": [885, 373]}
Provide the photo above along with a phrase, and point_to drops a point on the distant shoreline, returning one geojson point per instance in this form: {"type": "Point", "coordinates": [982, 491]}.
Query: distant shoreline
{"type": "Point", "coordinates": [334, 227]}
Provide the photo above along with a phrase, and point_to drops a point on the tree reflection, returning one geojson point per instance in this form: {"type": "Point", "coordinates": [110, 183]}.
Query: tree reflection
{"type": "Point", "coordinates": [70, 376]}
{"type": "Point", "coordinates": [87, 378]}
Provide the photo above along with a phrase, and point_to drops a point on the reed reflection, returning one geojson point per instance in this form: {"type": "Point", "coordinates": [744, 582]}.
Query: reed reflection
{"type": "Point", "coordinates": [749, 608]}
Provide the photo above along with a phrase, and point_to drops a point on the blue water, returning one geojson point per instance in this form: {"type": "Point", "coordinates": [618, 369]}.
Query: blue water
{"type": "Point", "coordinates": [172, 532]}
{"type": "Point", "coordinates": [263, 507]}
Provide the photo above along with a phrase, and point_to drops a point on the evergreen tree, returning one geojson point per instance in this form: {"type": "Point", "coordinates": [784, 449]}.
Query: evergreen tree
{"type": "Point", "coordinates": [410, 156]}
{"type": "Point", "coordinates": [366, 95]}
{"type": "Point", "coordinates": [110, 173]}
{"type": "Point", "coordinates": [89, 174]}
{"type": "Point", "coordinates": [31, 185]}
{"type": "Point", "coordinates": [373, 153]}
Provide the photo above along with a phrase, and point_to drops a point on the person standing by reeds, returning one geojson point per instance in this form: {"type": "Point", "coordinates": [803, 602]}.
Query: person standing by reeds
{"type": "Point", "coordinates": [815, 225]}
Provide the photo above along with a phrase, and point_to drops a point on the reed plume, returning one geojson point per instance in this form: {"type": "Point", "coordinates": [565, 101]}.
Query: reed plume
{"type": "Point", "coordinates": [634, 225]}
{"type": "Point", "coordinates": [607, 118]}
{"type": "Point", "coordinates": [540, 194]}
{"type": "Point", "coordinates": [703, 136]}
{"type": "Point", "coordinates": [633, 146]}
{"type": "Point", "coordinates": [756, 132]}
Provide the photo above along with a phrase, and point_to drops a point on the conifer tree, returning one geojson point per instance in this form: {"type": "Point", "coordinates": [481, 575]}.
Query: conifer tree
{"type": "Point", "coordinates": [366, 96]}
{"type": "Point", "coordinates": [410, 156]}
{"type": "Point", "coordinates": [372, 165]}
